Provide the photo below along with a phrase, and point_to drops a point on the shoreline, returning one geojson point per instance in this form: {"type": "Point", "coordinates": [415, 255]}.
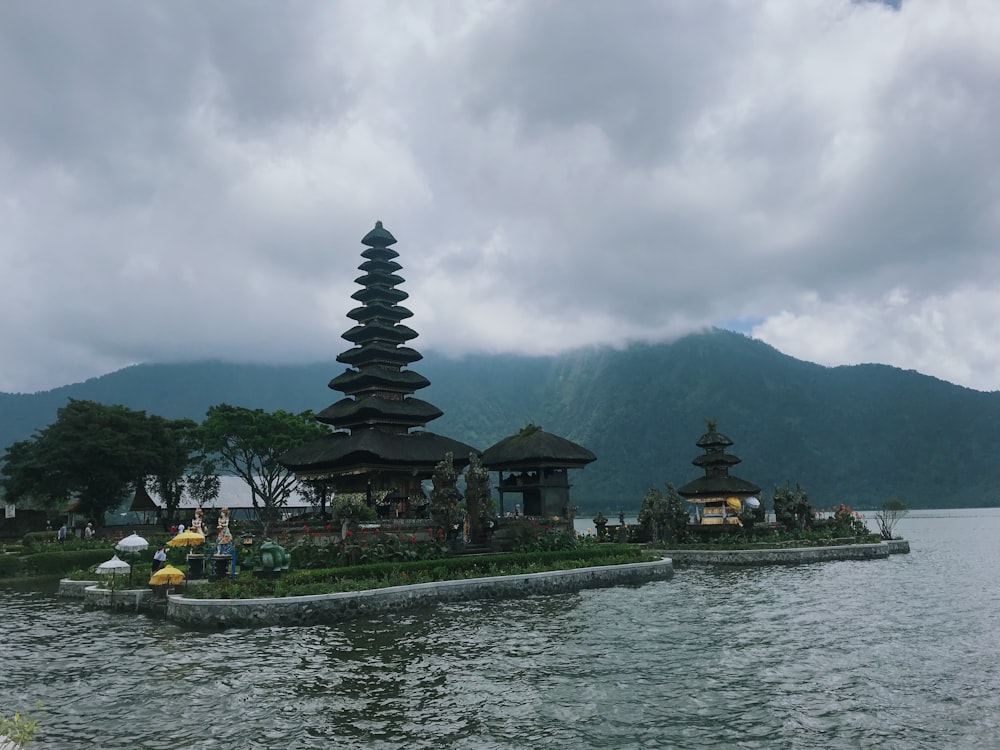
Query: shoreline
{"type": "Point", "coordinates": [217, 614]}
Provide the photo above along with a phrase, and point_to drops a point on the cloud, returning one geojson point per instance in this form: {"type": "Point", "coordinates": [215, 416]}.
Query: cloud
{"type": "Point", "coordinates": [188, 181]}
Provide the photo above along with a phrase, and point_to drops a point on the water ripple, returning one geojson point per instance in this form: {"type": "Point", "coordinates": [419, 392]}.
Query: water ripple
{"type": "Point", "coordinates": [878, 654]}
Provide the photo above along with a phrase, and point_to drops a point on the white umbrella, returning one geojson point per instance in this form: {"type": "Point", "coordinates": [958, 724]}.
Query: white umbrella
{"type": "Point", "coordinates": [752, 502]}
{"type": "Point", "coordinates": [114, 565]}
{"type": "Point", "coordinates": [133, 543]}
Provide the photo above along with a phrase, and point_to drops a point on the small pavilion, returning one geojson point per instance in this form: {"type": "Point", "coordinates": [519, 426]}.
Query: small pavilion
{"type": "Point", "coordinates": [379, 447]}
{"type": "Point", "coordinates": [537, 464]}
{"type": "Point", "coordinates": [720, 494]}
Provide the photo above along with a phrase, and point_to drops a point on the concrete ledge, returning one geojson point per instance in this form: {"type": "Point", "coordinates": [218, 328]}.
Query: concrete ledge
{"type": "Point", "coordinates": [898, 546]}
{"type": "Point", "coordinates": [326, 608]}
{"type": "Point", "coordinates": [790, 556]}
{"type": "Point", "coordinates": [120, 599]}
{"type": "Point", "coordinates": [73, 589]}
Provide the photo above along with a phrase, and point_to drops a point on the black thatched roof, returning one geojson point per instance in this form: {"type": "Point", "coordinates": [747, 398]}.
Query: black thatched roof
{"type": "Point", "coordinates": [142, 501]}
{"type": "Point", "coordinates": [533, 447]}
{"type": "Point", "coordinates": [713, 439]}
{"type": "Point", "coordinates": [379, 378]}
{"type": "Point", "coordinates": [349, 412]}
{"type": "Point", "coordinates": [716, 459]}
{"type": "Point", "coordinates": [379, 352]}
{"type": "Point", "coordinates": [373, 449]}
{"type": "Point", "coordinates": [717, 487]}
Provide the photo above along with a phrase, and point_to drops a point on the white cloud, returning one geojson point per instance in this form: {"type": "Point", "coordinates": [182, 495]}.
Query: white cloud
{"type": "Point", "coordinates": [194, 184]}
{"type": "Point", "coordinates": [950, 336]}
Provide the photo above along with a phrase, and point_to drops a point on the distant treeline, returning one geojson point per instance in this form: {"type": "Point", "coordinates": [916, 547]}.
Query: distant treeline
{"type": "Point", "coordinates": [859, 435]}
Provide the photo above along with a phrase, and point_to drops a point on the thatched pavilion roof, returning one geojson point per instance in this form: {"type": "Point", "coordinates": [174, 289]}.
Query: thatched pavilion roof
{"type": "Point", "coordinates": [533, 447]}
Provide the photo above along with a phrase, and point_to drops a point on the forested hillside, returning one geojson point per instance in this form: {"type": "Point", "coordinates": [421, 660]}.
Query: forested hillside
{"type": "Point", "coordinates": [860, 435]}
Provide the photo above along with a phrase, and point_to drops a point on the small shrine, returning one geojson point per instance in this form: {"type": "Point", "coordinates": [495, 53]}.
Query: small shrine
{"type": "Point", "coordinates": [720, 494]}
{"type": "Point", "coordinates": [379, 447]}
{"type": "Point", "coordinates": [536, 465]}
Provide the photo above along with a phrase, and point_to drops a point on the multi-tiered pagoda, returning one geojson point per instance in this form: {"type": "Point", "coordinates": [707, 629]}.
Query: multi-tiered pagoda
{"type": "Point", "coordinates": [721, 493]}
{"type": "Point", "coordinates": [378, 447]}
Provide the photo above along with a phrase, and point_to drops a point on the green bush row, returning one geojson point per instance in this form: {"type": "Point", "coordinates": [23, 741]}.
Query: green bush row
{"type": "Point", "coordinates": [375, 575]}
{"type": "Point", "coordinates": [58, 563]}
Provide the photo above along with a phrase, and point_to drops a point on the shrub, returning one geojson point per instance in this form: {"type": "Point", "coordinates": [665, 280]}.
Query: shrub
{"type": "Point", "coordinates": [59, 562]}
{"type": "Point", "coordinates": [10, 566]}
{"type": "Point", "coordinates": [531, 535]}
{"type": "Point", "coordinates": [37, 538]}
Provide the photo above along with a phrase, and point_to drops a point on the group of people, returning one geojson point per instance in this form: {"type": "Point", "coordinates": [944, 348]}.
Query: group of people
{"type": "Point", "coordinates": [63, 533]}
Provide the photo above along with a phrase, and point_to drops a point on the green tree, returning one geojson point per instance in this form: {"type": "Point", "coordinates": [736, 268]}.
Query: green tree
{"type": "Point", "coordinates": [662, 517]}
{"type": "Point", "coordinates": [888, 516]}
{"type": "Point", "coordinates": [203, 483]}
{"type": "Point", "coordinates": [178, 449]}
{"type": "Point", "coordinates": [791, 507]}
{"type": "Point", "coordinates": [248, 442]}
{"type": "Point", "coordinates": [93, 453]}
{"type": "Point", "coordinates": [319, 493]}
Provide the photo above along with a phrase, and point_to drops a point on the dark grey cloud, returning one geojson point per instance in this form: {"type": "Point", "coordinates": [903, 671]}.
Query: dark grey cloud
{"type": "Point", "coordinates": [192, 179]}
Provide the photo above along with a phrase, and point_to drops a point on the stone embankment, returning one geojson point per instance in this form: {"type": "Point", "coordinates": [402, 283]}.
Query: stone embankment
{"type": "Point", "coordinates": [132, 600]}
{"type": "Point", "coordinates": [327, 608]}
{"type": "Point", "coordinates": [788, 556]}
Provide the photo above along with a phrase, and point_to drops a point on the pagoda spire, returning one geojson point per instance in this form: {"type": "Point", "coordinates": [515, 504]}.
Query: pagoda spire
{"type": "Point", "coordinates": [717, 482]}
{"type": "Point", "coordinates": [377, 386]}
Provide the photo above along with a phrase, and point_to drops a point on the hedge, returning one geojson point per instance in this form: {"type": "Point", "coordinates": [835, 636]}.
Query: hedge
{"type": "Point", "coordinates": [57, 563]}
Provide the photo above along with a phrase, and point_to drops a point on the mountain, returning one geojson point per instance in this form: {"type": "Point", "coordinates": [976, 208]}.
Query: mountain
{"type": "Point", "coordinates": [860, 435]}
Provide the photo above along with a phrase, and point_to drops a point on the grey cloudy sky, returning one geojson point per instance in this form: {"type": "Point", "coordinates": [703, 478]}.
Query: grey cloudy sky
{"type": "Point", "coordinates": [190, 180]}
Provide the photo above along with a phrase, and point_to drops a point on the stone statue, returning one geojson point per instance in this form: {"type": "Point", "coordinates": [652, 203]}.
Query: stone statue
{"type": "Point", "coordinates": [224, 541]}
{"type": "Point", "coordinates": [196, 522]}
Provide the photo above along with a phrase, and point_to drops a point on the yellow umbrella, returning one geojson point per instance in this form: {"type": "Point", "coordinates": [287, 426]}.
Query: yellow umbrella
{"type": "Point", "coordinates": [187, 538]}
{"type": "Point", "coordinates": [168, 574]}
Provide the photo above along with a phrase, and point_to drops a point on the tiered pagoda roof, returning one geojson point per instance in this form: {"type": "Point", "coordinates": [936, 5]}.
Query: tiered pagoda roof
{"type": "Point", "coordinates": [718, 483]}
{"type": "Point", "coordinates": [376, 417]}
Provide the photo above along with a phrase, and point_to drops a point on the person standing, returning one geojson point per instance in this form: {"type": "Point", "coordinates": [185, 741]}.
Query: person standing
{"type": "Point", "coordinates": [159, 558]}
{"type": "Point", "coordinates": [88, 533]}
{"type": "Point", "coordinates": [61, 534]}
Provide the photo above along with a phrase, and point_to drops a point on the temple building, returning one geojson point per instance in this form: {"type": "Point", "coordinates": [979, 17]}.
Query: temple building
{"type": "Point", "coordinates": [537, 464]}
{"type": "Point", "coordinates": [720, 493]}
{"type": "Point", "coordinates": [378, 447]}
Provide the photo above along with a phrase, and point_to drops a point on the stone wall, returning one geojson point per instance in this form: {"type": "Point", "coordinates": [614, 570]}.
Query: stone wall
{"type": "Point", "coordinates": [134, 600]}
{"type": "Point", "coordinates": [792, 556]}
{"type": "Point", "coordinates": [71, 589]}
{"type": "Point", "coordinates": [326, 608]}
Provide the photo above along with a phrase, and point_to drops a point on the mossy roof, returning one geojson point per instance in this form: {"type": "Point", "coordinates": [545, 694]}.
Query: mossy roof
{"type": "Point", "coordinates": [374, 449]}
{"type": "Point", "coordinates": [532, 447]}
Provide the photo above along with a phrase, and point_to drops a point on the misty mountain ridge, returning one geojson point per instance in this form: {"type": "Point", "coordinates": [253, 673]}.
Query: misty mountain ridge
{"type": "Point", "coordinates": [860, 434]}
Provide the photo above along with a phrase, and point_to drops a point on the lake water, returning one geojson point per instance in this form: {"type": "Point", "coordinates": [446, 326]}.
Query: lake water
{"type": "Point", "coordinates": [897, 653]}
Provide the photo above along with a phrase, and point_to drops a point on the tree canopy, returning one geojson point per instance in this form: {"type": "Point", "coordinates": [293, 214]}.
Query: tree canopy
{"type": "Point", "coordinates": [248, 442]}
{"type": "Point", "coordinates": [95, 455]}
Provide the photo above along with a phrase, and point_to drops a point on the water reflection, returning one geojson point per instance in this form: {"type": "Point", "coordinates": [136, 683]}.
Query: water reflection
{"type": "Point", "coordinates": [841, 655]}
